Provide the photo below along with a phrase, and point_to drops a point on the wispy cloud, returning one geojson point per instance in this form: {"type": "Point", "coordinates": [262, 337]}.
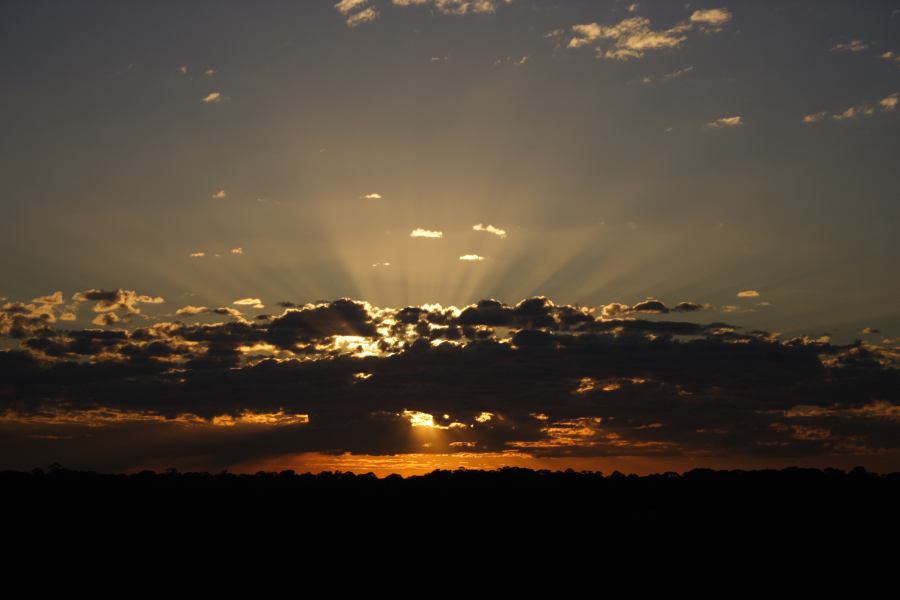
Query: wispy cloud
{"type": "Point", "coordinates": [426, 233]}
{"type": "Point", "coordinates": [367, 15]}
{"type": "Point", "coordinates": [490, 229]}
{"type": "Point", "coordinates": [251, 302]}
{"type": "Point", "coordinates": [851, 46]}
{"type": "Point", "coordinates": [725, 123]}
{"type": "Point", "coordinates": [815, 117]}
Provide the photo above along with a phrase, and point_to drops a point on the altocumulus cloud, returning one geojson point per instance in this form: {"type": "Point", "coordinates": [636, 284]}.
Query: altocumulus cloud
{"type": "Point", "coordinates": [634, 37]}
{"type": "Point", "coordinates": [533, 377]}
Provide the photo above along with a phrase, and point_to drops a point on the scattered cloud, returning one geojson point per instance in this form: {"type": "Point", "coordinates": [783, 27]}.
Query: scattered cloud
{"type": "Point", "coordinates": [345, 7]}
{"type": "Point", "coordinates": [426, 233]}
{"type": "Point", "coordinates": [490, 229]}
{"type": "Point", "coordinates": [237, 250]}
{"type": "Point", "coordinates": [860, 110]}
{"type": "Point", "coordinates": [381, 264]}
{"type": "Point", "coordinates": [748, 294]}
{"type": "Point", "coordinates": [455, 7]}
{"type": "Point", "coordinates": [220, 194]}
{"type": "Point", "coordinates": [711, 17]}
{"type": "Point", "coordinates": [471, 258]}
{"type": "Point", "coordinates": [634, 36]}
{"type": "Point", "coordinates": [212, 98]}
{"type": "Point", "coordinates": [372, 196]}
{"type": "Point", "coordinates": [54, 298]}
{"type": "Point", "coordinates": [367, 15]}
{"type": "Point", "coordinates": [251, 302]}
{"type": "Point", "coordinates": [851, 46]}
{"type": "Point", "coordinates": [198, 254]}
{"type": "Point", "coordinates": [891, 56]}
{"type": "Point", "coordinates": [889, 103]}
{"type": "Point", "coordinates": [815, 117]}
{"type": "Point", "coordinates": [725, 123]}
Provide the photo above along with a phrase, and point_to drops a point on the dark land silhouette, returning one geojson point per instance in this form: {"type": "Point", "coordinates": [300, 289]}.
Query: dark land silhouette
{"type": "Point", "coordinates": [278, 531]}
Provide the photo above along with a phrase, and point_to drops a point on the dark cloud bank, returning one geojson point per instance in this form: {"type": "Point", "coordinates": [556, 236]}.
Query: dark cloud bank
{"type": "Point", "coordinates": [535, 378]}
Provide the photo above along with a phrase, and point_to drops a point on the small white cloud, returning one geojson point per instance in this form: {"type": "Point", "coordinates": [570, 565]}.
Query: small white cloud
{"type": "Point", "coordinates": [712, 17]}
{"type": "Point", "coordinates": [851, 46]}
{"type": "Point", "coordinates": [725, 122]}
{"type": "Point", "coordinates": [213, 98]}
{"type": "Point", "coordinates": [748, 294]}
{"type": "Point", "coordinates": [198, 254]}
{"type": "Point", "coordinates": [490, 229]}
{"type": "Point", "coordinates": [183, 69]}
{"type": "Point", "coordinates": [860, 110]}
{"type": "Point", "coordinates": [366, 15]}
{"type": "Point", "coordinates": [632, 7]}
{"type": "Point", "coordinates": [372, 196]}
{"type": "Point", "coordinates": [426, 233]}
{"type": "Point", "coordinates": [815, 117]}
{"type": "Point", "coordinates": [345, 7]}
{"type": "Point", "coordinates": [251, 302]}
{"type": "Point", "coordinates": [381, 264]}
{"type": "Point", "coordinates": [471, 257]}
{"type": "Point", "coordinates": [889, 103]}
{"type": "Point", "coordinates": [237, 250]}
{"type": "Point", "coordinates": [220, 194]}
{"type": "Point", "coordinates": [209, 72]}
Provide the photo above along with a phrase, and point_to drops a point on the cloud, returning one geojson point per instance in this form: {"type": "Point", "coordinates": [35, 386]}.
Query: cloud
{"type": "Point", "coordinates": [381, 264]}
{"type": "Point", "coordinates": [345, 7]}
{"type": "Point", "coordinates": [634, 36]}
{"type": "Point", "coordinates": [535, 377]}
{"type": "Point", "coordinates": [426, 233]}
{"type": "Point", "coordinates": [725, 123]}
{"type": "Point", "coordinates": [183, 69]}
{"type": "Point", "coordinates": [471, 258]}
{"type": "Point", "coordinates": [237, 250]}
{"type": "Point", "coordinates": [220, 194]}
{"type": "Point", "coordinates": [209, 72]}
{"type": "Point", "coordinates": [891, 56]}
{"type": "Point", "coordinates": [490, 229]}
{"type": "Point", "coordinates": [372, 196]}
{"type": "Point", "coordinates": [251, 302]}
{"type": "Point", "coordinates": [860, 110]}
{"type": "Point", "coordinates": [715, 17]}
{"type": "Point", "coordinates": [212, 98]}
{"type": "Point", "coordinates": [54, 298]}
{"type": "Point", "coordinates": [455, 7]}
{"type": "Point", "coordinates": [815, 117]}
{"type": "Point", "coordinates": [890, 102]}
{"type": "Point", "coordinates": [748, 294]}
{"type": "Point", "coordinates": [366, 15]}
{"type": "Point", "coordinates": [197, 254]}
{"type": "Point", "coordinates": [119, 299]}
{"type": "Point", "coordinates": [851, 46]}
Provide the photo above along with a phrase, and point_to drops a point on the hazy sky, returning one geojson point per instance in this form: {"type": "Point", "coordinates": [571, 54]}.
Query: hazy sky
{"type": "Point", "coordinates": [739, 155]}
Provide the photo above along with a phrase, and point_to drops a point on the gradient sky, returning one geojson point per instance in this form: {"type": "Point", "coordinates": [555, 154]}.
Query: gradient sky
{"type": "Point", "coordinates": [740, 156]}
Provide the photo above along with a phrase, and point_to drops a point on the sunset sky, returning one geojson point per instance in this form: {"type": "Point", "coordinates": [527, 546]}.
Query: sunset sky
{"type": "Point", "coordinates": [396, 235]}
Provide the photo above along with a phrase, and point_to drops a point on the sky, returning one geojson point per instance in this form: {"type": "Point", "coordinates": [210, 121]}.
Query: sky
{"type": "Point", "coordinates": [597, 234]}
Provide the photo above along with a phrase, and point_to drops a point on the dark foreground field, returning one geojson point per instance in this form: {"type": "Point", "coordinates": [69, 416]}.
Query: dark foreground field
{"type": "Point", "coordinates": [513, 527]}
